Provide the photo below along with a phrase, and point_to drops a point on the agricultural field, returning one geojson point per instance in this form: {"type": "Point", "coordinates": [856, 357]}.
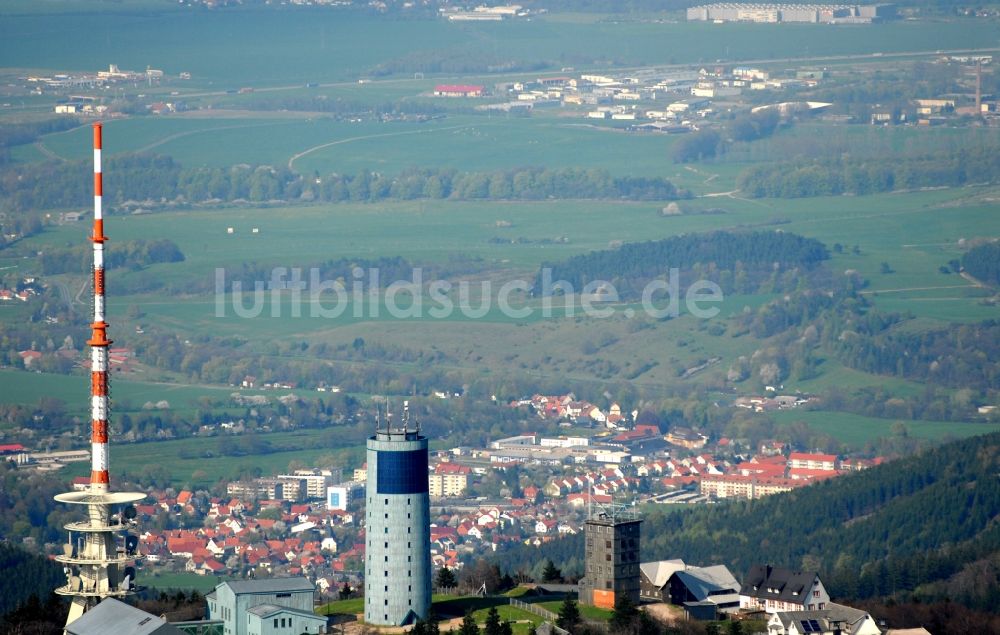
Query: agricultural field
{"type": "Point", "coordinates": [200, 463]}
{"type": "Point", "coordinates": [915, 233]}
{"type": "Point", "coordinates": [856, 430]}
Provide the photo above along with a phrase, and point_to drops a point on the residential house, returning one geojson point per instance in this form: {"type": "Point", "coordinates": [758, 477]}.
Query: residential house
{"type": "Point", "coordinates": [835, 619]}
{"type": "Point", "coordinates": [774, 589]}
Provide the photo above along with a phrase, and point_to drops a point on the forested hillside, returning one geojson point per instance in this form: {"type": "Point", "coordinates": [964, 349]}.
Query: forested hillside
{"type": "Point", "coordinates": [25, 574]}
{"type": "Point", "coordinates": [737, 261]}
{"type": "Point", "coordinates": [922, 528]}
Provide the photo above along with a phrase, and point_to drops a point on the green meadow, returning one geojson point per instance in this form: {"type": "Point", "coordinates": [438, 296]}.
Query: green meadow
{"type": "Point", "coordinates": [857, 430]}
{"type": "Point", "coordinates": [914, 234]}
{"type": "Point", "coordinates": [150, 576]}
{"type": "Point", "coordinates": [200, 462]}
{"type": "Point", "coordinates": [324, 145]}
{"type": "Point", "coordinates": [29, 387]}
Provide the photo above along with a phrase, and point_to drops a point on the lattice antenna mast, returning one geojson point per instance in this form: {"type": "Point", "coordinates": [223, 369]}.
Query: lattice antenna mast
{"type": "Point", "coordinates": [99, 343]}
{"type": "Point", "coordinates": [98, 555]}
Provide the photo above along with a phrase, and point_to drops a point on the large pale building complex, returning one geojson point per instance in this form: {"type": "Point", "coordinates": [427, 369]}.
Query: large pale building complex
{"type": "Point", "coordinates": [397, 527]}
{"type": "Point", "coordinates": [815, 13]}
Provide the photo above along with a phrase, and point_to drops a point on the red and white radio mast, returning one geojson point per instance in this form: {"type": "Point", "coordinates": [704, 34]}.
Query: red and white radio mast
{"type": "Point", "coordinates": [99, 555]}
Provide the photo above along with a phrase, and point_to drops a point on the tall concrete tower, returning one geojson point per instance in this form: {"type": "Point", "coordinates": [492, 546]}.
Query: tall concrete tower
{"type": "Point", "coordinates": [100, 550]}
{"type": "Point", "coordinates": [397, 526]}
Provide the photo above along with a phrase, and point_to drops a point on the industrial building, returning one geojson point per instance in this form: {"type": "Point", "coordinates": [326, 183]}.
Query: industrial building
{"type": "Point", "coordinates": [249, 607]}
{"type": "Point", "coordinates": [611, 558]}
{"type": "Point", "coordinates": [811, 13]}
{"type": "Point", "coordinates": [397, 526]}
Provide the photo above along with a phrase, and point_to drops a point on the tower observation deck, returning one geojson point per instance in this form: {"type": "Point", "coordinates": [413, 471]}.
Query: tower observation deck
{"type": "Point", "coordinates": [397, 526]}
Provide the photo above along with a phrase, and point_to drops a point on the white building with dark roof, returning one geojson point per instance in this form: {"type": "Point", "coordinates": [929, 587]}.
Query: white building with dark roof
{"type": "Point", "coordinates": [835, 618]}
{"type": "Point", "coordinates": [774, 589]}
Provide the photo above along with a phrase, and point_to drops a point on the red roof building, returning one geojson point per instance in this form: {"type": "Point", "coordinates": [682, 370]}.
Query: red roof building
{"type": "Point", "coordinates": [458, 90]}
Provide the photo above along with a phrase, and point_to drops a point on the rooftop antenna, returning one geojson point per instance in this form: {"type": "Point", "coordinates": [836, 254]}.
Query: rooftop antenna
{"type": "Point", "coordinates": [979, 88]}
{"type": "Point", "coordinates": [98, 562]}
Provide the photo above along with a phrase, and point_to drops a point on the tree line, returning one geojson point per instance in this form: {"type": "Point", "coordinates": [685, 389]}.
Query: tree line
{"type": "Point", "coordinates": [749, 257]}
{"type": "Point", "coordinates": [134, 254]}
{"type": "Point", "coordinates": [151, 180]}
{"type": "Point", "coordinates": [957, 355]}
{"type": "Point", "coordinates": [708, 143]}
{"type": "Point", "coordinates": [848, 175]}
{"type": "Point", "coordinates": [17, 134]}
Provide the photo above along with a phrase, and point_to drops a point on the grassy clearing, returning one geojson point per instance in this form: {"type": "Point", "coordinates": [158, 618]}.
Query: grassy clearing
{"type": "Point", "coordinates": [354, 606]}
{"type": "Point", "coordinates": [165, 581]}
{"type": "Point", "coordinates": [187, 464]}
{"type": "Point", "coordinates": [28, 387]}
{"type": "Point", "coordinates": [857, 430]}
{"type": "Point", "coordinates": [588, 612]}
{"type": "Point", "coordinates": [456, 142]}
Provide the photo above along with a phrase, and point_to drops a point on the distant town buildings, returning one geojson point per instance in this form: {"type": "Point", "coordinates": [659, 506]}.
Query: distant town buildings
{"type": "Point", "coordinates": [449, 479]}
{"type": "Point", "coordinates": [484, 13]}
{"type": "Point", "coordinates": [773, 13]}
{"type": "Point", "coordinates": [458, 90]}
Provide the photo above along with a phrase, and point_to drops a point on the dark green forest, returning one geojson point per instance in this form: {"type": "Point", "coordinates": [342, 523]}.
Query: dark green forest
{"type": "Point", "coordinates": [24, 575]}
{"type": "Point", "coordinates": [983, 262]}
{"type": "Point", "coordinates": [747, 258]}
{"type": "Point", "coordinates": [921, 528]}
